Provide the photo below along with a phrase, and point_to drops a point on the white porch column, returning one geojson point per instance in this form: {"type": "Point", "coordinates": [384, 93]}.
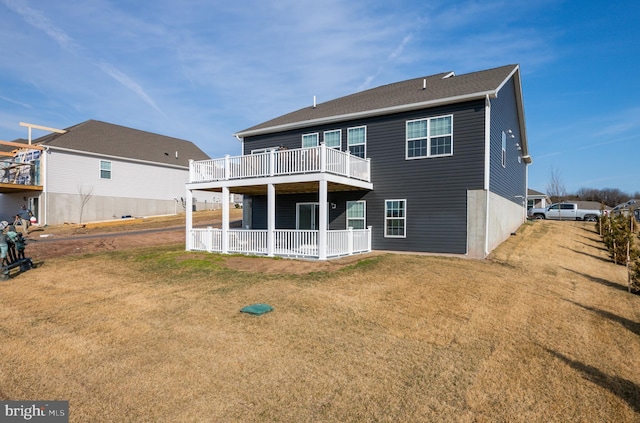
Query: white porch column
{"type": "Point", "coordinates": [189, 219]}
{"type": "Point", "coordinates": [322, 227]}
{"type": "Point", "coordinates": [225, 220]}
{"type": "Point", "coordinates": [271, 219]}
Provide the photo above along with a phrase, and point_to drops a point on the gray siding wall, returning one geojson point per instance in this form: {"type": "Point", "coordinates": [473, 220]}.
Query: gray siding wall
{"type": "Point", "coordinates": [508, 181]}
{"type": "Point", "coordinates": [435, 188]}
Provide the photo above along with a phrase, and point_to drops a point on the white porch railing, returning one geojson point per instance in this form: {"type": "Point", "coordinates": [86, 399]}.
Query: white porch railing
{"type": "Point", "coordinates": [288, 242]}
{"type": "Point", "coordinates": [281, 162]}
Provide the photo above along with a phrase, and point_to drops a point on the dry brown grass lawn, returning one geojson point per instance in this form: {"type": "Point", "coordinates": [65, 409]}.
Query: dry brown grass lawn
{"type": "Point", "coordinates": [543, 331]}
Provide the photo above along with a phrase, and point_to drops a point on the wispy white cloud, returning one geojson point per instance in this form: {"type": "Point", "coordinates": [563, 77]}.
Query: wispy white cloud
{"type": "Point", "coordinates": [19, 103]}
{"type": "Point", "coordinates": [39, 20]}
{"type": "Point", "coordinates": [128, 83]}
{"type": "Point", "coordinates": [208, 69]}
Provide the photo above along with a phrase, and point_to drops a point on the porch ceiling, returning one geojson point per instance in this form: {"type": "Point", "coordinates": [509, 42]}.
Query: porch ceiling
{"type": "Point", "coordinates": [14, 188]}
{"type": "Point", "coordinates": [289, 188]}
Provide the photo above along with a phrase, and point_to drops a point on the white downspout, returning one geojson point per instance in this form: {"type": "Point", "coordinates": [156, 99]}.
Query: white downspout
{"type": "Point", "coordinates": [487, 169]}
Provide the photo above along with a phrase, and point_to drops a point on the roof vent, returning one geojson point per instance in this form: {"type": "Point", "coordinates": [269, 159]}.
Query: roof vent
{"type": "Point", "coordinates": [314, 101]}
{"type": "Point", "coordinates": [424, 84]}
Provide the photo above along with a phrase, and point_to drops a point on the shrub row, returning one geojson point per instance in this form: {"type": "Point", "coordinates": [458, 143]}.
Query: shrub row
{"type": "Point", "coordinates": [620, 236]}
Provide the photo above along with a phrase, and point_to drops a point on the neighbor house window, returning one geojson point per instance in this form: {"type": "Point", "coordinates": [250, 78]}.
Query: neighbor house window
{"type": "Point", "coordinates": [356, 214]}
{"type": "Point", "coordinates": [105, 169]}
{"type": "Point", "coordinates": [395, 218]}
{"type": "Point", "coordinates": [310, 140]}
{"type": "Point", "coordinates": [504, 149]}
{"type": "Point", "coordinates": [333, 139]}
{"type": "Point", "coordinates": [430, 137]}
{"type": "Point", "coordinates": [357, 140]}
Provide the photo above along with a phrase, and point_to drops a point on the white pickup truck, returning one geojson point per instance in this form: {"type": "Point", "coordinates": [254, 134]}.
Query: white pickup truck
{"type": "Point", "coordinates": [564, 211]}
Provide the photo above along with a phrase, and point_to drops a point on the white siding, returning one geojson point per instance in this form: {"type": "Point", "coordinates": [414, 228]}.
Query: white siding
{"type": "Point", "coordinates": [66, 172]}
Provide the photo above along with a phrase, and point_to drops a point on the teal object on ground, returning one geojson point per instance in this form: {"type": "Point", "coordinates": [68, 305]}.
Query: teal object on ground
{"type": "Point", "coordinates": [256, 309]}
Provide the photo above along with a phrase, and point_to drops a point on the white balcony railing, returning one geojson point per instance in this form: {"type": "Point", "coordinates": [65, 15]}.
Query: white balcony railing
{"type": "Point", "coordinates": [287, 242]}
{"type": "Point", "coordinates": [281, 162]}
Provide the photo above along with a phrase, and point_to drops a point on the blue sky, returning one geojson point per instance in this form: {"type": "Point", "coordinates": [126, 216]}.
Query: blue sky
{"type": "Point", "coordinates": [203, 69]}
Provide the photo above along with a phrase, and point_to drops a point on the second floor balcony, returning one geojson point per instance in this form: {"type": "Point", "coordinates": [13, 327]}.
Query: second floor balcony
{"type": "Point", "coordinates": [19, 176]}
{"type": "Point", "coordinates": [282, 162]}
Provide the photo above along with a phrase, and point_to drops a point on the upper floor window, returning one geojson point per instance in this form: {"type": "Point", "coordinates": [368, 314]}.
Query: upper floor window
{"type": "Point", "coordinates": [356, 214]}
{"type": "Point", "coordinates": [395, 218]}
{"type": "Point", "coordinates": [333, 138]}
{"type": "Point", "coordinates": [357, 140]}
{"type": "Point", "coordinates": [504, 149]}
{"type": "Point", "coordinates": [430, 137]}
{"type": "Point", "coordinates": [310, 140]}
{"type": "Point", "coordinates": [105, 169]}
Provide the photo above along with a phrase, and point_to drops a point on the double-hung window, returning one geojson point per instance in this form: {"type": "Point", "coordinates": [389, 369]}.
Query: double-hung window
{"type": "Point", "coordinates": [105, 169]}
{"type": "Point", "coordinates": [356, 212]}
{"type": "Point", "coordinates": [333, 139]}
{"type": "Point", "coordinates": [310, 140]}
{"type": "Point", "coordinates": [395, 218]}
{"type": "Point", "coordinates": [357, 141]}
{"type": "Point", "coordinates": [430, 137]}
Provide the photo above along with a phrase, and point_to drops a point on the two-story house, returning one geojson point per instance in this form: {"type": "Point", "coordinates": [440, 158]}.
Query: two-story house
{"type": "Point", "coordinates": [435, 164]}
{"type": "Point", "coordinates": [95, 171]}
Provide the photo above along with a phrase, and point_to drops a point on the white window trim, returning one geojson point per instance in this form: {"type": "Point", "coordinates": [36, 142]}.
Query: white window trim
{"type": "Point", "coordinates": [365, 139]}
{"type": "Point", "coordinates": [316, 134]}
{"type": "Point", "coordinates": [339, 146]}
{"type": "Point", "coordinates": [504, 149]}
{"type": "Point", "coordinates": [364, 211]}
{"type": "Point", "coordinates": [105, 170]}
{"type": "Point", "coordinates": [395, 218]}
{"type": "Point", "coordinates": [429, 155]}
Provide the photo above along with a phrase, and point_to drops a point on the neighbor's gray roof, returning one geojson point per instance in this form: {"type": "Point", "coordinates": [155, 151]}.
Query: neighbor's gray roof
{"type": "Point", "coordinates": [441, 88]}
{"type": "Point", "coordinates": [119, 141]}
{"type": "Point", "coordinates": [533, 192]}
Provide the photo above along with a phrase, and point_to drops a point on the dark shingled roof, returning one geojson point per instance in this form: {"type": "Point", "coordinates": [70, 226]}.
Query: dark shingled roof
{"type": "Point", "coordinates": [119, 141]}
{"type": "Point", "coordinates": [441, 88]}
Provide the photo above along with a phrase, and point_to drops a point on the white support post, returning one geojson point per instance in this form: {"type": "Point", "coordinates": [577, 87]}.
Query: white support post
{"type": "Point", "coordinates": [350, 241]}
{"type": "Point", "coordinates": [225, 220]}
{"type": "Point", "coordinates": [369, 236]}
{"type": "Point", "coordinates": [323, 157]}
{"type": "Point", "coordinates": [271, 219]}
{"type": "Point", "coordinates": [322, 228]}
{"type": "Point", "coordinates": [189, 219]}
{"type": "Point", "coordinates": [191, 171]}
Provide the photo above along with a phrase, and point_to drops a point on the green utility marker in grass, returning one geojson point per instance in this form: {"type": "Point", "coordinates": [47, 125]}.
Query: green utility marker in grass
{"type": "Point", "coordinates": [256, 309]}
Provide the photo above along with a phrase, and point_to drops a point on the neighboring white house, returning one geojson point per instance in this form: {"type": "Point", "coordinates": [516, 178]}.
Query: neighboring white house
{"type": "Point", "coordinates": [537, 199]}
{"type": "Point", "coordinates": [119, 171]}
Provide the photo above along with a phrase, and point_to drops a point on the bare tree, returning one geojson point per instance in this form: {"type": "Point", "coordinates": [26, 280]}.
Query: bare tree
{"type": "Point", "coordinates": [85, 195]}
{"type": "Point", "coordinates": [555, 188]}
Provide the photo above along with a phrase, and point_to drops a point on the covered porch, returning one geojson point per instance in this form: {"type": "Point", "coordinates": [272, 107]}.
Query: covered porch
{"type": "Point", "coordinates": [317, 170]}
